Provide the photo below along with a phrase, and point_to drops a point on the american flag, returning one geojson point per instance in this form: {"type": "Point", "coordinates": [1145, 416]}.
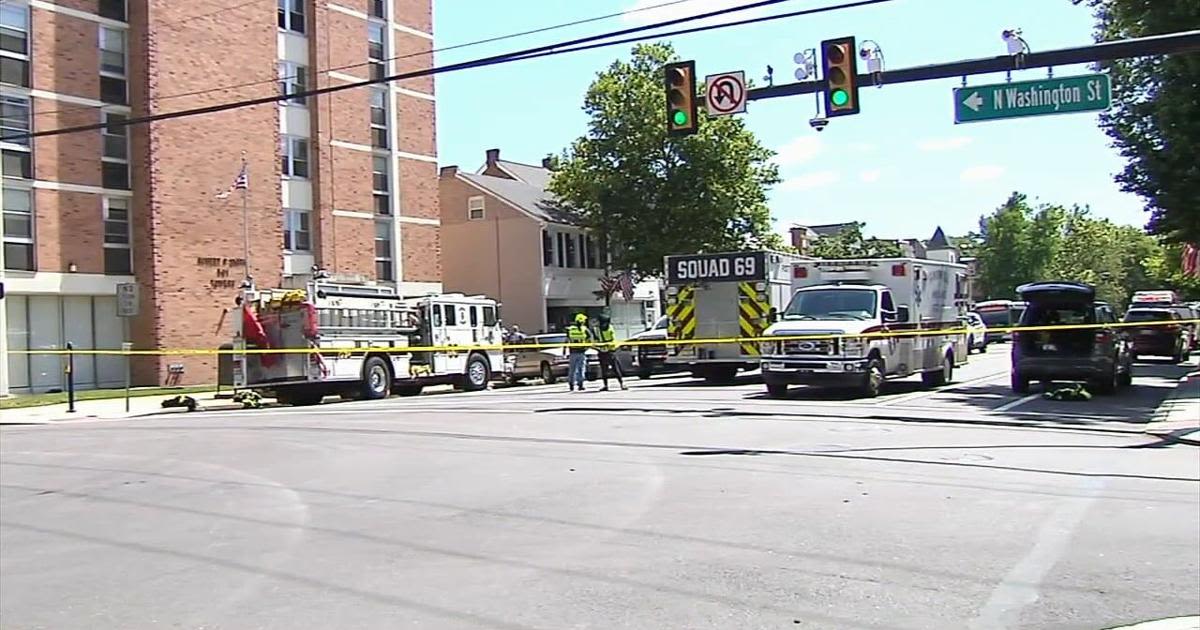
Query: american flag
{"type": "Point", "coordinates": [1191, 260]}
{"type": "Point", "coordinates": [626, 283]}
{"type": "Point", "coordinates": [241, 182]}
{"type": "Point", "coordinates": [608, 285]}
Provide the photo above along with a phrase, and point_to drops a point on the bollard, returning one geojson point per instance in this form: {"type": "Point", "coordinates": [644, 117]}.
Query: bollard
{"type": "Point", "coordinates": [70, 377]}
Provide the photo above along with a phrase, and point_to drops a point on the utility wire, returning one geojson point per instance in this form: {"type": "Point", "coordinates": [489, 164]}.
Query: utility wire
{"type": "Point", "coordinates": [529, 53]}
{"type": "Point", "coordinates": [276, 78]}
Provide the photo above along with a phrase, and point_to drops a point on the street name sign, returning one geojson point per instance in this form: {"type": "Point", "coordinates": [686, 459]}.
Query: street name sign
{"type": "Point", "coordinates": [725, 94]}
{"type": "Point", "coordinates": [1020, 99]}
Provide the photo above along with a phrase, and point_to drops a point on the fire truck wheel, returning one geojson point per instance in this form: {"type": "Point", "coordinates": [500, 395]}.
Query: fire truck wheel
{"type": "Point", "coordinates": [377, 379]}
{"type": "Point", "coordinates": [476, 377]}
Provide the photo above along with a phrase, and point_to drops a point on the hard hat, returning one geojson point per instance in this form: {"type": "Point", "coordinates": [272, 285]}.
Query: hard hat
{"type": "Point", "coordinates": [580, 318]}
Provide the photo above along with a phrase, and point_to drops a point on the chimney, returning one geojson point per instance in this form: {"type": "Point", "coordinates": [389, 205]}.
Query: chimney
{"type": "Point", "coordinates": [448, 171]}
{"type": "Point", "coordinates": [548, 163]}
{"type": "Point", "coordinates": [493, 156]}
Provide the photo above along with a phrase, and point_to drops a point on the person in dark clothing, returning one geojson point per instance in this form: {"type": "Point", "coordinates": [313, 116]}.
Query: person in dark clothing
{"type": "Point", "coordinates": [607, 336]}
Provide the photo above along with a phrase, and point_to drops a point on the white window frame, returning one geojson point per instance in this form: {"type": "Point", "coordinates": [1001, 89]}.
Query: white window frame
{"type": "Point", "coordinates": [105, 135]}
{"type": "Point", "coordinates": [476, 204]}
{"type": "Point", "coordinates": [293, 79]}
{"type": "Point", "coordinates": [128, 244]}
{"type": "Point", "coordinates": [380, 130]}
{"type": "Point", "coordinates": [290, 232]}
{"type": "Point", "coordinates": [25, 56]}
{"type": "Point", "coordinates": [386, 192]}
{"type": "Point", "coordinates": [20, 146]}
{"type": "Point", "coordinates": [31, 240]}
{"type": "Point", "coordinates": [289, 149]}
{"type": "Point", "coordinates": [123, 75]}
{"type": "Point", "coordinates": [386, 226]}
{"type": "Point", "coordinates": [378, 66]}
{"type": "Point", "coordinates": [288, 9]}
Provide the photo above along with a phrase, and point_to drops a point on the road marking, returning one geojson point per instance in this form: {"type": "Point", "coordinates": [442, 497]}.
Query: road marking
{"type": "Point", "coordinates": [1019, 588]}
{"type": "Point", "coordinates": [1016, 403]}
{"type": "Point", "coordinates": [945, 388]}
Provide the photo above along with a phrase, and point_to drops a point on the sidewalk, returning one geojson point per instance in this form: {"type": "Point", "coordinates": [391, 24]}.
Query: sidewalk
{"type": "Point", "coordinates": [110, 408]}
{"type": "Point", "coordinates": [1178, 417]}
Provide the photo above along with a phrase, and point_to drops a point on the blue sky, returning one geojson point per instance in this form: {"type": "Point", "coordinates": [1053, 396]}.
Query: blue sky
{"type": "Point", "coordinates": [902, 165]}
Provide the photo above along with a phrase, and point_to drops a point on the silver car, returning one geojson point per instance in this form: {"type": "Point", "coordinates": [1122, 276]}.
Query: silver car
{"type": "Point", "coordinates": [548, 363]}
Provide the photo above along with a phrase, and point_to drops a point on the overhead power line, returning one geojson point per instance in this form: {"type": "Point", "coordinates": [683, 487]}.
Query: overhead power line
{"type": "Point", "coordinates": [275, 78]}
{"type": "Point", "coordinates": [529, 53]}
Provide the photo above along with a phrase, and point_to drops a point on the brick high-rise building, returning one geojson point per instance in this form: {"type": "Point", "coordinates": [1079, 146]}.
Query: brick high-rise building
{"type": "Point", "coordinates": [346, 181]}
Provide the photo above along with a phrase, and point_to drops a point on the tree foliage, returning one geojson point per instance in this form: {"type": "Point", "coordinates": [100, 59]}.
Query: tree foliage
{"type": "Point", "coordinates": [850, 243]}
{"type": "Point", "coordinates": [1155, 118]}
{"type": "Point", "coordinates": [649, 195]}
{"type": "Point", "coordinates": [1019, 243]}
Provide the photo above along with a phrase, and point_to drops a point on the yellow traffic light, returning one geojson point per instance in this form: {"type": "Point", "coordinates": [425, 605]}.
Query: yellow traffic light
{"type": "Point", "coordinates": [839, 59]}
{"type": "Point", "coordinates": [681, 98]}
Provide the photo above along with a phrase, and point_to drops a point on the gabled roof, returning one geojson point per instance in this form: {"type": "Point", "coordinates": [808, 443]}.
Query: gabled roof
{"type": "Point", "coordinates": [535, 176]}
{"type": "Point", "coordinates": [532, 200]}
{"type": "Point", "coordinates": [939, 241]}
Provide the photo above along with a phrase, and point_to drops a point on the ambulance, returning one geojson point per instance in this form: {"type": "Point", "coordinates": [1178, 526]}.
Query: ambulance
{"type": "Point", "coordinates": [857, 323]}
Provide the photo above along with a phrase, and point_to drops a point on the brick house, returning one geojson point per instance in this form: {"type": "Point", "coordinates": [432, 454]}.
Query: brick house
{"type": "Point", "coordinates": [503, 238]}
{"type": "Point", "coordinates": [344, 181]}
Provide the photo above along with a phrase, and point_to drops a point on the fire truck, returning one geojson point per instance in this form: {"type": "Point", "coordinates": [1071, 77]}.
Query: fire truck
{"type": "Point", "coordinates": [362, 341]}
{"type": "Point", "coordinates": [723, 296]}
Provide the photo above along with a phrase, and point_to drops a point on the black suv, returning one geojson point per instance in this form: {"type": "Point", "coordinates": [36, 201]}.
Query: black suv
{"type": "Point", "coordinates": [1099, 354]}
{"type": "Point", "coordinates": [1163, 335]}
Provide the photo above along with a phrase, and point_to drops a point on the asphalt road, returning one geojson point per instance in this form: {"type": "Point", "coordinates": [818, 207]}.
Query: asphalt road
{"type": "Point", "coordinates": [672, 505]}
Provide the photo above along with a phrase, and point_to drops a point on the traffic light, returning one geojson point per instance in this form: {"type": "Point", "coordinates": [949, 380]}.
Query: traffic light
{"type": "Point", "coordinates": [839, 61]}
{"type": "Point", "coordinates": [681, 98]}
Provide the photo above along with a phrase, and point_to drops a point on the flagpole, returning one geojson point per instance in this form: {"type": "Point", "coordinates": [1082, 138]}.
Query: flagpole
{"type": "Point", "coordinates": [246, 281]}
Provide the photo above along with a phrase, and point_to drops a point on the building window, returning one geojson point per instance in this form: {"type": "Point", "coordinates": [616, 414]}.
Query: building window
{"type": "Point", "coordinates": [572, 253]}
{"type": "Point", "coordinates": [114, 175]}
{"type": "Point", "coordinates": [383, 251]}
{"type": "Point", "coordinates": [14, 120]}
{"type": "Point", "coordinates": [113, 9]}
{"type": "Point", "coordinates": [547, 249]}
{"type": "Point", "coordinates": [593, 254]}
{"type": "Point", "coordinates": [379, 126]}
{"type": "Point", "coordinates": [14, 44]}
{"type": "Point", "coordinates": [378, 8]}
{"type": "Point", "coordinates": [561, 249]}
{"type": "Point", "coordinates": [117, 255]}
{"type": "Point", "coordinates": [18, 229]}
{"type": "Point", "coordinates": [291, 15]}
{"type": "Point", "coordinates": [116, 137]}
{"type": "Point", "coordinates": [376, 49]}
{"type": "Point", "coordinates": [475, 208]}
{"type": "Point", "coordinates": [295, 230]}
{"type": "Point", "coordinates": [112, 66]}
{"type": "Point", "coordinates": [293, 79]}
{"type": "Point", "coordinates": [381, 185]}
{"type": "Point", "coordinates": [294, 153]}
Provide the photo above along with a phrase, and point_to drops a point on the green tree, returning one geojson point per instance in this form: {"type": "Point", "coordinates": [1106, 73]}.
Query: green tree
{"type": "Point", "coordinates": [649, 195]}
{"type": "Point", "coordinates": [1090, 250]}
{"type": "Point", "coordinates": [850, 243]}
{"type": "Point", "coordinates": [1155, 118]}
{"type": "Point", "coordinates": [1165, 272]}
{"type": "Point", "coordinates": [1015, 244]}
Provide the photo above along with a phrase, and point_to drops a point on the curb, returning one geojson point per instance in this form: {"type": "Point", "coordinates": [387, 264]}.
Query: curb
{"type": "Point", "coordinates": [1188, 433]}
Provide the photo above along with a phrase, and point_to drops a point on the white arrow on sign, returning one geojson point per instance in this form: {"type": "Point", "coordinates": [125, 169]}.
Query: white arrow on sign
{"type": "Point", "coordinates": [974, 101]}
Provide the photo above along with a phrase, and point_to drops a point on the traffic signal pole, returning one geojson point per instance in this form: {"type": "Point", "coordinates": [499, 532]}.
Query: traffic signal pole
{"type": "Point", "coordinates": [1171, 43]}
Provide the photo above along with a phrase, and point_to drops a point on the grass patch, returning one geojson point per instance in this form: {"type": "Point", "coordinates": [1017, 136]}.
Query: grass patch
{"type": "Point", "coordinates": [23, 401]}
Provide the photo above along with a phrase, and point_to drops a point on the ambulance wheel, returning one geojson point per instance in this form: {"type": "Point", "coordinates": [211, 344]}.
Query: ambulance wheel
{"type": "Point", "coordinates": [872, 379]}
{"type": "Point", "coordinates": [376, 379]}
{"type": "Point", "coordinates": [721, 376]}
{"type": "Point", "coordinates": [477, 374]}
{"type": "Point", "coordinates": [777, 390]}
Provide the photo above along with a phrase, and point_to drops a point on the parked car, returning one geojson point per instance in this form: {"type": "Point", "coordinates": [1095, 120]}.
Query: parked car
{"type": "Point", "coordinates": [648, 359]}
{"type": "Point", "coordinates": [977, 338]}
{"type": "Point", "coordinates": [1101, 354]}
{"type": "Point", "coordinates": [1163, 335]}
{"type": "Point", "coordinates": [548, 363]}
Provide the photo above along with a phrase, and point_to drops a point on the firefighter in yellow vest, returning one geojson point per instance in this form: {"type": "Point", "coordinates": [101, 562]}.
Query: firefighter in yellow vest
{"type": "Point", "coordinates": [578, 334]}
{"type": "Point", "coordinates": [608, 353]}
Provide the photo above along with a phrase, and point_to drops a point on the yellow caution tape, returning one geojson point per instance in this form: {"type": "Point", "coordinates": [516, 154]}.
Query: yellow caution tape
{"type": "Point", "coordinates": [625, 343]}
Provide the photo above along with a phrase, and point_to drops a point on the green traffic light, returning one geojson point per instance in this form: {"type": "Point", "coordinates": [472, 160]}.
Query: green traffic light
{"type": "Point", "coordinates": [680, 118]}
{"type": "Point", "coordinates": [839, 97]}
